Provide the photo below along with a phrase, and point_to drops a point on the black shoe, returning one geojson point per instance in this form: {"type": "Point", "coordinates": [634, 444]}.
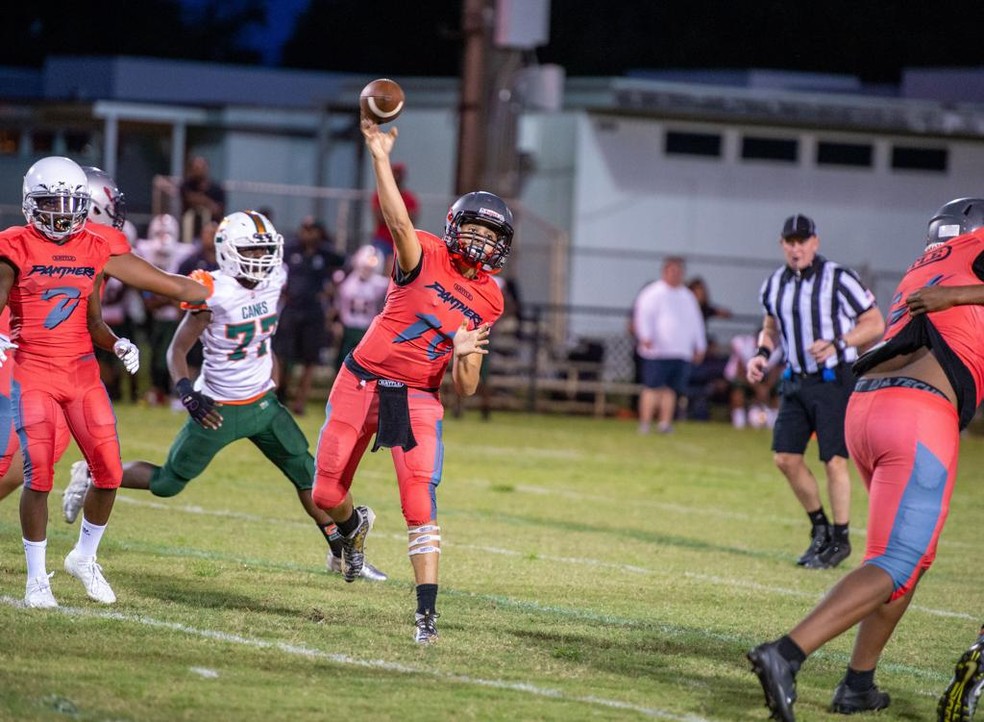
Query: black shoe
{"type": "Point", "coordinates": [848, 701]}
{"type": "Point", "coordinates": [959, 701]}
{"type": "Point", "coordinates": [819, 538]}
{"type": "Point", "coordinates": [831, 555]}
{"type": "Point", "coordinates": [778, 679]}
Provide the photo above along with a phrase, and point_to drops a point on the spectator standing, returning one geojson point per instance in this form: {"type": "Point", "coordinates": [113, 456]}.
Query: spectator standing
{"type": "Point", "coordinates": [917, 390]}
{"type": "Point", "coordinates": [821, 314]}
{"type": "Point", "coordinates": [202, 199]}
{"type": "Point", "coordinates": [358, 298]}
{"type": "Point", "coordinates": [382, 238]}
{"type": "Point", "coordinates": [302, 334]}
{"type": "Point", "coordinates": [670, 339]}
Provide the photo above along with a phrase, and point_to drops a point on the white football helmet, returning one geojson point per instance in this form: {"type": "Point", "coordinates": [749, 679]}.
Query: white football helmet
{"type": "Point", "coordinates": [106, 204]}
{"type": "Point", "coordinates": [56, 197]}
{"type": "Point", "coordinates": [237, 234]}
{"type": "Point", "coordinates": [367, 261]}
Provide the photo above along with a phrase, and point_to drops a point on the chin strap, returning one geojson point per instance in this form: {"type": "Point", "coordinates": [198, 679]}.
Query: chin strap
{"type": "Point", "coordinates": [428, 541]}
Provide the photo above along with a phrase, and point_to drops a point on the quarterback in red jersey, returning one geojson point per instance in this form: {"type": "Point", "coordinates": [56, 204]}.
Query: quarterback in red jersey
{"type": "Point", "coordinates": [48, 269]}
{"type": "Point", "coordinates": [440, 306]}
{"type": "Point", "coordinates": [916, 390]}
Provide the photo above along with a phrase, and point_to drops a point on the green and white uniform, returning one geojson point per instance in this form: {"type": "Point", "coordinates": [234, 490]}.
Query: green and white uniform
{"type": "Point", "coordinates": [237, 371]}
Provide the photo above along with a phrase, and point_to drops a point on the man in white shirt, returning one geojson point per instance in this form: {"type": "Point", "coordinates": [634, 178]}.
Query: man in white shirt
{"type": "Point", "coordinates": [670, 339]}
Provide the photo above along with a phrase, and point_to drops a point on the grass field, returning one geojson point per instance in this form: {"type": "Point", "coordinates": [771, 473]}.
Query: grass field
{"type": "Point", "coordinates": [588, 574]}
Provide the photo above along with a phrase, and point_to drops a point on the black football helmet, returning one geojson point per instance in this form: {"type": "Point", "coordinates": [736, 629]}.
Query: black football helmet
{"type": "Point", "coordinates": [955, 218]}
{"type": "Point", "coordinates": [485, 209]}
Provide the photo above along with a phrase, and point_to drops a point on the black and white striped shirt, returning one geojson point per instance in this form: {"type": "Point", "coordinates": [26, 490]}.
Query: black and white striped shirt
{"type": "Point", "coordinates": [821, 302]}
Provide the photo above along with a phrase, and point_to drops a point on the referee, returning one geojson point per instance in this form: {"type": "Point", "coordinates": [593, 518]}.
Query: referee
{"type": "Point", "coordinates": [821, 313]}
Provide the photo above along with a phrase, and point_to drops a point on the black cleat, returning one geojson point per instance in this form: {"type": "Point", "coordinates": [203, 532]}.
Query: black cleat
{"type": "Point", "coordinates": [848, 701]}
{"type": "Point", "coordinates": [819, 538]}
{"type": "Point", "coordinates": [778, 679]}
{"type": "Point", "coordinates": [831, 555]}
{"type": "Point", "coordinates": [354, 546]}
{"type": "Point", "coordinates": [959, 701]}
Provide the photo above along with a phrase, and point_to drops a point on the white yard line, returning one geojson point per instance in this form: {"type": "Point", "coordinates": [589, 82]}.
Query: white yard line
{"type": "Point", "coordinates": [577, 561]}
{"type": "Point", "coordinates": [345, 660]}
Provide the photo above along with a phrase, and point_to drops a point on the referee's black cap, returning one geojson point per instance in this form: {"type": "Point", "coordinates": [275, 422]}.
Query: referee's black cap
{"type": "Point", "coordinates": [799, 226]}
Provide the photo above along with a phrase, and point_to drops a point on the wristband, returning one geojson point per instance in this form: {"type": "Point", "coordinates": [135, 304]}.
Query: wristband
{"type": "Point", "coordinates": [764, 352]}
{"type": "Point", "coordinates": [183, 387]}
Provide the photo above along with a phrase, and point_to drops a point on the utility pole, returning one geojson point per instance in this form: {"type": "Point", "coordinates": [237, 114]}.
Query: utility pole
{"type": "Point", "coordinates": [477, 17]}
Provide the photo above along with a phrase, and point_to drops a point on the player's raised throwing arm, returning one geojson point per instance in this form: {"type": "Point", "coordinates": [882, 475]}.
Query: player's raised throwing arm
{"type": "Point", "coordinates": [135, 271]}
{"type": "Point", "coordinates": [406, 245]}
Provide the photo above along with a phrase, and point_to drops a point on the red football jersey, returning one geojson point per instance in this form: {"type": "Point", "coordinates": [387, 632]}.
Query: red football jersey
{"type": "Point", "coordinates": [411, 339]}
{"type": "Point", "coordinates": [48, 300]}
{"type": "Point", "coordinates": [960, 327]}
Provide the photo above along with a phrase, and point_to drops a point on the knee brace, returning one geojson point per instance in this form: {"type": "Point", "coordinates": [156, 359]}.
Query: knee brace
{"type": "Point", "coordinates": [428, 540]}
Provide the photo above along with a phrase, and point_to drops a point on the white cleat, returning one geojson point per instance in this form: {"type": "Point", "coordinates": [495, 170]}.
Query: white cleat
{"type": "Point", "coordinates": [73, 497]}
{"type": "Point", "coordinates": [369, 572]}
{"type": "Point", "coordinates": [87, 571]}
{"type": "Point", "coordinates": [38, 595]}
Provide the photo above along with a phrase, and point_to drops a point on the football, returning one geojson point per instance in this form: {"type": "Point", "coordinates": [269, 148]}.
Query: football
{"type": "Point", "coordinates": [382, 100]}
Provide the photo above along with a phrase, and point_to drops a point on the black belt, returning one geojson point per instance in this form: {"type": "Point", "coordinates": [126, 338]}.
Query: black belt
{"type": "Point", "coordinates": [903, 382]}
{"type": "Point", "coordinates": [826, 374]}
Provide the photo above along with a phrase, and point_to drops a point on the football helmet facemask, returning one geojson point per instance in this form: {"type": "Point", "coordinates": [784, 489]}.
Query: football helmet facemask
{"type": "Point", "coordinates": [243, 230]}
{"type": "Point", "coordinates": [56, 197]}
{"type": "Point", "coordinates": [955, 218]}
{"type": "Point", "coordinates": [106, 204]}
{"type": "Point", "coordinates": [485, 209]}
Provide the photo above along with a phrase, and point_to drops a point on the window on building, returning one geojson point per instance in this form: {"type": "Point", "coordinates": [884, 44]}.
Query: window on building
{"type": "Point", "coordinates": [913, 158]}
{"type": "Point", "coordinates": [9, 141]}
{"type": "Point", "coordinates": [783, 150]}
{"type": "Point", "coordinates": [77, 142]}
{"type": "Point", "coordinates": [42, 142]}
{"type": "Point", "coordinates": [858, 155]}
{"type": "Point", "coordinates": [703, 144]}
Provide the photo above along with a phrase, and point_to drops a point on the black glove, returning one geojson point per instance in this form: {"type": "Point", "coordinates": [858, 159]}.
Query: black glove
{"type": "Point", "coordinates": [198, 404]}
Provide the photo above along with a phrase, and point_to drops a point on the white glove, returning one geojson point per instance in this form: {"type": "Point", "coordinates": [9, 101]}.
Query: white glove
{"type": "Point", "coordinates": [127, 352]}
{"type": "Point", "coordinates": [5, 345]}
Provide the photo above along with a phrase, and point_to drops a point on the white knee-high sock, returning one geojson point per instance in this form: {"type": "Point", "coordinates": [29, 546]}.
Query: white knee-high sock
{"type": "Point", "coordinates": [35, 552]}
{"type": "Point", "coordinates": [89, 537]}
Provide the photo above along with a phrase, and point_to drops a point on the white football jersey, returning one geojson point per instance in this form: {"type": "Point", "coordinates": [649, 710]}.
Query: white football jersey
{"type": "Point", "coordinates": [237, 342]}
{"type": "Point", "coordinates": [360, 300]}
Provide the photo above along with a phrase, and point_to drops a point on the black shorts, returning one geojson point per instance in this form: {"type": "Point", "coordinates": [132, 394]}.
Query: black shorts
{"type": "Point", "coordinates": [810, 404]}
{"type": "Point", "coordinates": [300, 338]}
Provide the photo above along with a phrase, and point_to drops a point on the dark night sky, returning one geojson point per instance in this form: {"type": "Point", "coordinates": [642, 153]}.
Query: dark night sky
{"type": "Point", "coordinates": [873, 39]}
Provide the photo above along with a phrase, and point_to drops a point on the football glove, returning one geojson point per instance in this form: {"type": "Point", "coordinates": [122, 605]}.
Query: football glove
{"type": "Point", "coordinates": [204, 278]}
{"type": "Point", "coordinates": [5, 345]}
{"type": "Point", "coordinates": [199, 405]}
{"type": "Point", "coordinates": [127, 352]}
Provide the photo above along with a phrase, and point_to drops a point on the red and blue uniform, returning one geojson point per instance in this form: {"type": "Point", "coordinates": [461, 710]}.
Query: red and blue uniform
{"type": "Point", "coordinates": [905, 436]}
{"type": "Point", "coordinates": [411, 342]}
{"type": "Point", "coordinates": [55, 372]}
{"type": "Point", "coordinates": [9, 443]}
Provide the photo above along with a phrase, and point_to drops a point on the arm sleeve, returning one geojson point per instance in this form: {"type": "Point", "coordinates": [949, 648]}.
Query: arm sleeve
{"type": "Point", "coordinates": [854, 293]}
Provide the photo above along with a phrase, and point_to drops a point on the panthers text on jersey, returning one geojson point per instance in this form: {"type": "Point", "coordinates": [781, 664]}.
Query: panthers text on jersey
{"type": "Point", "coordinates": [238, 364]}
{"type": "Point", "coordinates": [411, 340]}
{"type": "Point", "coordinates": [48, 300]}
